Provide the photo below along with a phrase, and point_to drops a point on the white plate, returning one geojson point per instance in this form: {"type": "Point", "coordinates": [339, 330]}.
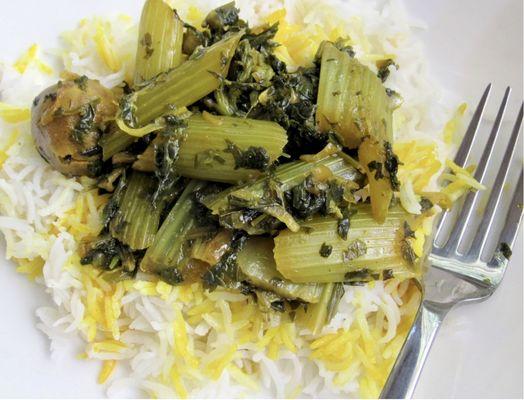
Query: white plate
{"type": "Point", "coordinates": [478, 352]}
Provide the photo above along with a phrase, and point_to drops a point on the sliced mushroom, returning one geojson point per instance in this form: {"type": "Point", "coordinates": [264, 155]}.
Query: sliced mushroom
{"type": "Point", "coordinates": [67, 121]}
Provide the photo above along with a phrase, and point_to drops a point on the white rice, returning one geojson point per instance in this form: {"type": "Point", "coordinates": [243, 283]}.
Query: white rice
{"type": "Point", "coordinates": [33, 197]}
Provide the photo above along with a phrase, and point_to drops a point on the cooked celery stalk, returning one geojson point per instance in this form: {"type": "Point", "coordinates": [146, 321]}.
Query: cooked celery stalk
{"type": "Point", "coordinates": [187, 83]}
{"type": "Point", "coordinates": [210, 251]}
{"type": "Point", "coordinates": [228, 149]}
{"type": "Point", "coordinates": [266, 194]}
{"type": "Point", "coordinates": [351, 99]}
{"type": "Point", "coordinates": [178, 88]}
{"type": "Point", "coordinates": [371, 155]}
{"type": "Point", "coordinates": [114, 143]}
{"type": "Point", "coordinates": [167, 250]}
{"type": "Point", "coordinates": [136, 221]}
{"type": "Point", "coordinates": [353, 102]}
{"type": "Point", "coordinates": [315, 316]}
{"type": "Point", "coordinates": [371, 251]}
{"type": "Point", "coordinates": [256, 262]}
{"type": "Point", "coordinates": [160, 38]}
{"type": "Point", "coordinates": [225, 149]}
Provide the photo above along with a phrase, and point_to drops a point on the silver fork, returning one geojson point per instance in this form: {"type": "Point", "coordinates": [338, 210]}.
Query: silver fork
{"type": "Point", "coordinates": [455, 277]}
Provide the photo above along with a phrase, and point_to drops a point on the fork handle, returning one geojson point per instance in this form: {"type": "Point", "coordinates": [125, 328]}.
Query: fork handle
{"type": "Point", "coordinates": [406, 371]}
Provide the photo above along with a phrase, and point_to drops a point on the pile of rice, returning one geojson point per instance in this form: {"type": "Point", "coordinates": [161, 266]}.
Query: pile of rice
{"type": "Point", "coordinates": [184, 341]}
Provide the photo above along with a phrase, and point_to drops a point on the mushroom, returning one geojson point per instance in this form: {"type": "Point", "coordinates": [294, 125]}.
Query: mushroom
{"type": "Point", "coordinates": [67, 121]}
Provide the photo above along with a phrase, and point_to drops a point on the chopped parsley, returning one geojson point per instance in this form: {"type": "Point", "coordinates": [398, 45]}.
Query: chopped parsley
{"type": "Point", "coordinates": [383, 68]}
{"type": "Point", "coordinates": [377, 167]}
{"type": "Point", "coordinates": [251, 158]}
{"type": "Point", "coordinates": [147, 42]}
{"type": "Point", "coordinates": [408, 254]}
{"type": "Point", "coordinates": [425, 204]}
{"type": "Point", "coordinates": [343, 227]}
{"type": "Point", "coordinates": [391, 164]}
{"type": "Point", "coordinates": [503, 253]}
{"type": "Point", "coordinates": [360, 274]}
{"type": "Point", "coordinates": [344, 223]}
{"type": "Point", "coordinates": [81, 82]}
{"type": "Point", "coordinates": [325, 250]}
{"type": "Point", "coordinates": [84, 124]}
{"type": "Point", "coordinates": [356, 249]}
{"type": "Point", "coordinates": [408, 232]}
{"type": "Point", "coordinates": [387, 274]}
{"type": "Point", "coordinates": [171, 276]}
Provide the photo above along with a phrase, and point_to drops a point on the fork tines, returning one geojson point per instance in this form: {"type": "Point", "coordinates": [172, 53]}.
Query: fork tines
{"type": "Point", "coordinates": [486, 227]}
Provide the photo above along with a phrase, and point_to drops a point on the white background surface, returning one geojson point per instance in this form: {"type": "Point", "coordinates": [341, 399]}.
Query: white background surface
{"type": "Point", "coordinates": [478, 352]}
